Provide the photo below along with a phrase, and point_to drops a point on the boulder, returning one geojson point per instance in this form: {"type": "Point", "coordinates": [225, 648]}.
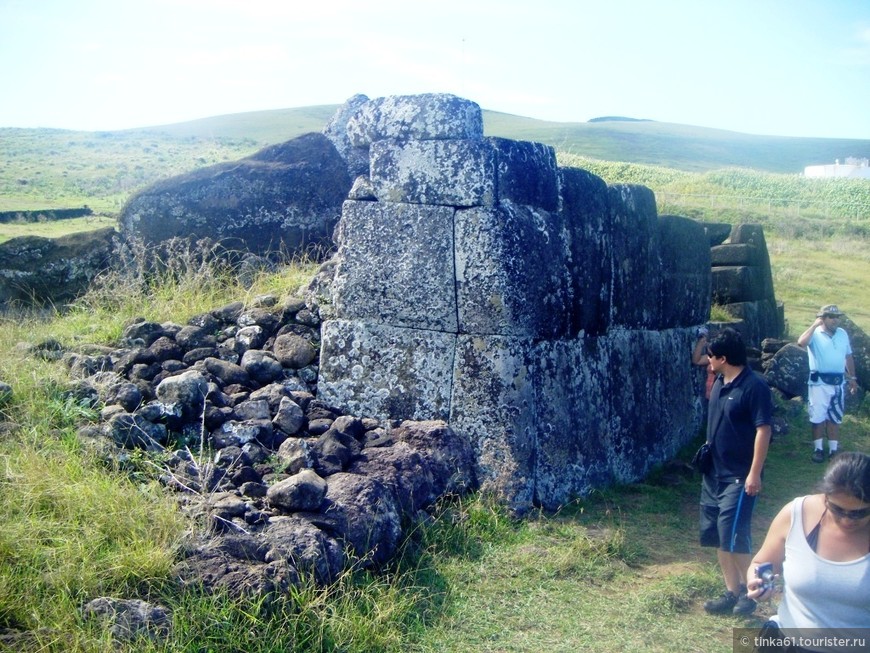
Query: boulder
{"type": "Point", "coordinates": [297, 542]}
{"type": "Point", "coordinates": [285, 198]}
{"type": "Point", "coordinates": [302, 491]}
{"type": "Point", "coordinates": [129, 619]}
{"type": "Point", "coordinates": [37, 270]}
{"type": "Point", "coordinates": [362, 512]}
{"type": "Point", "coordinates": [860, 350]}
{"type": "Point", "coordinates": [788, 371]}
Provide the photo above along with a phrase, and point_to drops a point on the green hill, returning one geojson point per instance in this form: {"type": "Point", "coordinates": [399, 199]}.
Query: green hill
{"type": "Point", "coordinates": [44, 169]}
{"type": "Point", "coordinates": [683, 147]}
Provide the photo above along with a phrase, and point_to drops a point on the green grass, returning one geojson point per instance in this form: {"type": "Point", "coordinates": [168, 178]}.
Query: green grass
{"type": "Point", "coordinates": [54, 228]}
{"type": "Point", "coordinates": [619, 570]}
{"type": "Point", "coordinates": [809, 274]}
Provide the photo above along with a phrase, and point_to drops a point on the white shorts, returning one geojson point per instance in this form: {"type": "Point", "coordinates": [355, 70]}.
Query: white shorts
{"type": "Point", "coordinates": [826, 403]}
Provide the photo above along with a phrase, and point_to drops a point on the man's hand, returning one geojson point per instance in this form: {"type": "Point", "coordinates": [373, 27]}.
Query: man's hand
{"type": "Point", "coordinates": [753, 484]}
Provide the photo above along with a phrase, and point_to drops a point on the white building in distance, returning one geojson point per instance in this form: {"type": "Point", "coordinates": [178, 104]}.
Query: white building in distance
{"type": "Point", "coordinates": [853, 169]}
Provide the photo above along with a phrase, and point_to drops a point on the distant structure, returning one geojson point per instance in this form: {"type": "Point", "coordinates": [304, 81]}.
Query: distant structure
{"type": "Point", "coordinates": [853, 168]}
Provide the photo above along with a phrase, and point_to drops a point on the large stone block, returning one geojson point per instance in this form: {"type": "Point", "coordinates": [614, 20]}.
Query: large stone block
{"type": "Point", "coordinates": [386, 372]}
{"type": "Point", "coordinates": [396, 265]}
{"type": "Point", "coordinates": [686, 280]}
{"type": "Point", "coordinates": [527, 173]}
{"type": "Point", "coordinates": [493, 408]}
{"type": "Point", "coordinates": [731, 254]}
{"type": "Point", "coordinates": [448, 172]}
{"type": "Point", "coordinates": [637, 265]}
{"type": "Point", "coordinates": [736, 283]}
{"type": "Point", "coordinates": [753, 234]}
{"type": "Point", "coordinates": [635, 365]}
{"type": "Point", "coordinates": [681, 413]}
{"type": "Point", "coordinates": [357, 158]}
{"type": "Point", "coordinates": [415, 117]}
{"type": "Point", "coordinates": [511, 272]}
{"type": "Point", "coordinates": [656, 406]}
{"type": "Point", "coordinates": [586, 214]}
{"type": "Point", "coordinates": [573, 381]}
{"type": "Point", "coordinates": [761, 319]}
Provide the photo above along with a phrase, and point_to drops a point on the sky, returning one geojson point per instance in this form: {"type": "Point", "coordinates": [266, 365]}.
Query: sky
{"type": "Point", "coordinates": [769, 67]}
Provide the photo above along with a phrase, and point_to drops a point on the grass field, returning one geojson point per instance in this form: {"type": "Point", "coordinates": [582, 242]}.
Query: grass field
{"type": "Point", "coordinates": [619, 570]}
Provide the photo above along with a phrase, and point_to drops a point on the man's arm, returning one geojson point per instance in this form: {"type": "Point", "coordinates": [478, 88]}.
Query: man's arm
{"type": "Point", "coordinates": [759, 455]}
{"type": "Point", "coordinates": [804, 338]}
{"type": "Point", "coordinates": [850, 374]}
{"type": "Point", "coordinates": [699, 353]}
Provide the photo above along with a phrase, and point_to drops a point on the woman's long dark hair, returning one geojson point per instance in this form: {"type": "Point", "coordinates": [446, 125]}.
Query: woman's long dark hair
{"type": "Point", "coordinates": [848, 473]}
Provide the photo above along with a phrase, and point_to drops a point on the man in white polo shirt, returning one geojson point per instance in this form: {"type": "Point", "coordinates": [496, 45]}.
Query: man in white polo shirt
{"type": "Point", "coordinates": [831, 368]}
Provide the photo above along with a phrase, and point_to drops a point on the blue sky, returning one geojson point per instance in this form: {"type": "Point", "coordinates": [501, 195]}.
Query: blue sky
{"type": "Point", "coordinates": [778, 67]}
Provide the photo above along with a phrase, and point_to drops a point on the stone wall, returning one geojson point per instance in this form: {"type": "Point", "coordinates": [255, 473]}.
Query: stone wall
{"type": "Point", "coordinates": [547, 316]}
{"type": "Point", "coordinates": [743, 283]}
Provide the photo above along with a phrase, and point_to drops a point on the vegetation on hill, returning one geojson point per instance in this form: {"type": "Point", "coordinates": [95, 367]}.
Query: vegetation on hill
{"type": "Point", "coordinates": [787, 205]}
{"type": "Point", "coordinates": [50, 168]}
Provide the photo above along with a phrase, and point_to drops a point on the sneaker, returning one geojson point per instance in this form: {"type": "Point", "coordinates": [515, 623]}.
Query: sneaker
{"type": "Point", "coordinates": [831, 454]}
{"type": "Point", "coordinates": [722, 605]}
{"type": "Point", "coordinates": [744, 604]}
{"type": "Point", "coordinates": [818, 456]}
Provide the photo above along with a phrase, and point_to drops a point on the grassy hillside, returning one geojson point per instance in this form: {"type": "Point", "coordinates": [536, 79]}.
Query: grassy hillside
{"type": "Point", "coordinates": [787, 205]}
{"type": "Point", "coordinates": [683, 147]}
{"type": "Point", "coordinates": [49, 168]}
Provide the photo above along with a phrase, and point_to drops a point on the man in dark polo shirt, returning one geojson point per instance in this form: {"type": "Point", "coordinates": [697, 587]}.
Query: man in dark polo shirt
{"type": "Point", "coordinates": [738, 429]}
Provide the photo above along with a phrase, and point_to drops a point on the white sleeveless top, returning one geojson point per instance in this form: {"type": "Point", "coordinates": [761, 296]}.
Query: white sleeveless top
{"type": "Point", "coordinates": [820, 593]}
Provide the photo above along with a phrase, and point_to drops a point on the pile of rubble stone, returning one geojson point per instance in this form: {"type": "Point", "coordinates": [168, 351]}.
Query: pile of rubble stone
{"type": "Point", "coordinates": [288, 486]}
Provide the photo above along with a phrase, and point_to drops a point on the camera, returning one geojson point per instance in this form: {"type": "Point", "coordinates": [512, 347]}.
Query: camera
{"type": "Point", "coordinates": [764, 571]}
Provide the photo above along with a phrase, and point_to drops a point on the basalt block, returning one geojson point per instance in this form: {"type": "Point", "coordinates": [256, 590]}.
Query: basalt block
{"type": "Point", "coordinates": [396, 265]}
{"type": "Point", "coordinates": [586, 214]}
{"type": "Point", "coordinates": [430, 116]}
{"type": "Point", "coordinates": [511, 272]}
{"type": "Point", "coordinates": [386, 372]}
{"type": "Point", "coordinates": [493, 407]}
{"type": "Point", "coordinates": [457, 172]}
{"type": "Point", "coordinates": [685, 257]}
{"type": "Point", "coordinates": [573, 380]}
{"type": "Point", "coordinates": [636, 258]}
{"type": "Point", "coordinates": [527, 173]}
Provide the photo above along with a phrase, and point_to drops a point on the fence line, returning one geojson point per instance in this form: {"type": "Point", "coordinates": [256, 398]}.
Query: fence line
{"type": "Point", "coordinates": [856, 210]}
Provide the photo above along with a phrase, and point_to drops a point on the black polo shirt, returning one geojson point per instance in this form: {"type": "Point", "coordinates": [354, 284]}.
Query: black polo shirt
{"type": "Point", "coordinates": [736, 410]}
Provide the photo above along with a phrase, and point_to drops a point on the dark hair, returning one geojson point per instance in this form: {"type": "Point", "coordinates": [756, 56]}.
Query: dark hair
{"type": "Point", "coordinates": [729, 343]}
{"type": "Point", "coordinates": [848, 473]}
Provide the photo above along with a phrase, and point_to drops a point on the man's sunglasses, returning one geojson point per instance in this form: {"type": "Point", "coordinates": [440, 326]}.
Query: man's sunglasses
{"type": "Point", "coordinates": [842, 513]}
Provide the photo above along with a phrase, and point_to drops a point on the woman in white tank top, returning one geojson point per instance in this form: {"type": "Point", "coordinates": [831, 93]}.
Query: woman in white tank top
{"type": "Point", "coordinates": [820, 545]}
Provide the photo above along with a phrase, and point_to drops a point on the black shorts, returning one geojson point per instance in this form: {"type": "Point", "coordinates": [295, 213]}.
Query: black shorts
{"type": "Point", "coordinates": [726, 515]}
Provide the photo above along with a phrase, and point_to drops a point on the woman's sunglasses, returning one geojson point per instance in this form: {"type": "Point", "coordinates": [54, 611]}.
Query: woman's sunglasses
{"type": "Point", "coordinates": [842, 513]}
